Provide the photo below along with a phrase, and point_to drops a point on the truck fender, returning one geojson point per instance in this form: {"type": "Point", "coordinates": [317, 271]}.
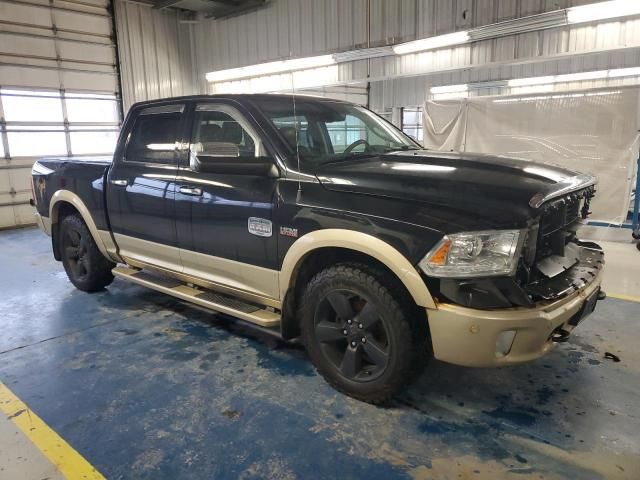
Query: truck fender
{"type": "Point", "coordinates": [102, 238]}
{"type": "Point", "coordinates": [360, 242]}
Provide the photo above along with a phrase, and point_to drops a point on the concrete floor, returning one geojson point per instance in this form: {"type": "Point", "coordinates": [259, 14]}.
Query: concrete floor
{"type": "Point", "coordinates": [20, 458]}
{"type": "Point", "coordinates": [144, 386]}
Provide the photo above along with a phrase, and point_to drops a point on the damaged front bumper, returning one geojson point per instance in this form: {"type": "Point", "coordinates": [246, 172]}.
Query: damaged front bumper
{"type": "Point", "coordinates": [505, 336]}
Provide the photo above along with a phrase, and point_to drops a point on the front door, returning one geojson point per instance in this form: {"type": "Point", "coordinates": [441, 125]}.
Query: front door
{"type": "Point", "coordinates": [229, 237]}
{"type": "Point", "coordinates": [141, 188]}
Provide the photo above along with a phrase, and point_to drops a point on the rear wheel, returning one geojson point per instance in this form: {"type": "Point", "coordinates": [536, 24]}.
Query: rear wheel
{"type": "Point", "coordinates": [358, 333]}
{"type": "Point", "coordinates": [85, 265]}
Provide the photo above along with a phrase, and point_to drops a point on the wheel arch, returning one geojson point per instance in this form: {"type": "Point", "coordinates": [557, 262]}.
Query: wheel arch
{"type": "Point", "coordinates": [66, 199]}
{"type": "Point", "coordinates": [359, 242]}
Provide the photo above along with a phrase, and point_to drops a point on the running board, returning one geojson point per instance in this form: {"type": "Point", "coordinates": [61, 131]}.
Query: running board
{"type": "Point", "coordinates": [205, 298]}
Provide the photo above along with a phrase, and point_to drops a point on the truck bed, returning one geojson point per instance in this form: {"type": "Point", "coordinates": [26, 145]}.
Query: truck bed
{"type": "Point", "coordinates": [84, 176]}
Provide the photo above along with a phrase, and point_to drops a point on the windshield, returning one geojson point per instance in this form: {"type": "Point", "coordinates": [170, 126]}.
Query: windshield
{"type": "Point", "coordinates": [324, 131]}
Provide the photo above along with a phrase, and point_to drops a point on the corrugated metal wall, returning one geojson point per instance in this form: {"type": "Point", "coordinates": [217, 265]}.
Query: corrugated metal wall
{"type": "Point", "coordinates": [290, 28]}
{"type": "Point", "coordinates": [578, 48]}
{"type": "Point", "coordinates": [287, 28]}
{"type": "Point", "coordinates": [162, 56]}
{"type": "Point", "coordinates": [155, 53]}
{"type": "Point", "coordinates": [284, 28]}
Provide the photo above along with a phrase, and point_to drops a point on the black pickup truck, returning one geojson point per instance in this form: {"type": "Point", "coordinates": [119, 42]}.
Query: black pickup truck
{"type": "Point", "coordinates": [319, 220]}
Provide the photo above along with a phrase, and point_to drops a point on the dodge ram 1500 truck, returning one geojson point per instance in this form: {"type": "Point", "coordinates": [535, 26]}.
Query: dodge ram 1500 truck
{"type": "Point", "coordinates": [319, 220]}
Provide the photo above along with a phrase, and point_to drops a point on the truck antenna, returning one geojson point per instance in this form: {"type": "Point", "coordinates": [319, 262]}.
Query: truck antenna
{"type": "Point", "coordinates": [295, 125]}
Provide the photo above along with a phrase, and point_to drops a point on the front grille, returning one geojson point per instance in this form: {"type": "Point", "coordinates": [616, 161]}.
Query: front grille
{"type": "Point", "coordinates": [556, 229]}
{"type": "Point", "coordinates": [559, 222]}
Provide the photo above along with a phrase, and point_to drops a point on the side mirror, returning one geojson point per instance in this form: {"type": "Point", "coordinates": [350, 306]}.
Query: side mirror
{"type": "Point", "coordinates": [224, 158]}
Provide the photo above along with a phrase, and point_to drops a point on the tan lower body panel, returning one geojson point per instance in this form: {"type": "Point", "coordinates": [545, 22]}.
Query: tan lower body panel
{"type": "Point", "coordinates": [257, 315]}
{"type": "Point", "coordinates": [190, 279]}
{"type": "Point", "coordinates": [466, 336]}
{"type": "Point", "coordinates": [149, 252]}
{"type": "Point", "coordinates": [241, 277]}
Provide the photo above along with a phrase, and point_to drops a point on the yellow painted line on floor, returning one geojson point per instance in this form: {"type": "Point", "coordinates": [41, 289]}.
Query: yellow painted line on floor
{"type": "Point", "coordinates": [70, 463]}
{"type": "Point", "coordinates": [621, 296]}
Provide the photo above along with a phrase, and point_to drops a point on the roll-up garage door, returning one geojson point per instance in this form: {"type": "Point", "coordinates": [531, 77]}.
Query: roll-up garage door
{"type": "Point", "coordinates": [58, 90]}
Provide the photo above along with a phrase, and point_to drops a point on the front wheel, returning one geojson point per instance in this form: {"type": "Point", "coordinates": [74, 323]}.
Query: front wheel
{"type": "Point", "coordinates": [359, 333]}
{"type": "Point", "coordinates": [85, 265]}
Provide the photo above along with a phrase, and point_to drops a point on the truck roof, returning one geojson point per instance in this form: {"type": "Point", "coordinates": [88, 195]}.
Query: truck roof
{"type": "Point", "coordinates": [240, 97]}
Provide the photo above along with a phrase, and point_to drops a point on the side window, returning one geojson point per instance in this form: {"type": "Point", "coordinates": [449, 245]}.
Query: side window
{"type": "Point", "coordinates": [153, 138]}
{"type": "Point", "coordinates": [212, 129]}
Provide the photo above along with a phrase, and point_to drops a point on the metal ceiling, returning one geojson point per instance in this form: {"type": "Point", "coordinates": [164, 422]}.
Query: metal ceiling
{"type": "Point", "coordinates": [213, 8]}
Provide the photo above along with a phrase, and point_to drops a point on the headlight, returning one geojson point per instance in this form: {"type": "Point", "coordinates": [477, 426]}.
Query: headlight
{"type": "Point", "coordinates": [474, 254]}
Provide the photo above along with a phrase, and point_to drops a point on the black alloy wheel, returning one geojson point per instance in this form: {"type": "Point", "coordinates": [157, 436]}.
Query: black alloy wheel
{"type": "Point", "coordinates": [75, 253]}
{"type": "Point", "coordinates": [351, 335]}
{"type": "Point", "coordinates": [362, 332]}
{"type": "Point", "coordinates": [87, 268]}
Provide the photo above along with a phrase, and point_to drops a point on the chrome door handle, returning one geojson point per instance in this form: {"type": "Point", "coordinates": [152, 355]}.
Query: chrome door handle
{"type": "Point", "coordinates": [121, 183]}
{"type": "Point", "coordinates": [196, 192]}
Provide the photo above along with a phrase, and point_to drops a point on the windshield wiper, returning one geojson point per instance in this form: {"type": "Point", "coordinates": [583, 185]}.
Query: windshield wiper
{"type": "Point", "coordinates": [350, 156]}
{"type": "Point", "coordinates": [402, 148]}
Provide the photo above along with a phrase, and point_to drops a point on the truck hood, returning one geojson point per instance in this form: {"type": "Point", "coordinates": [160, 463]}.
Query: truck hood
{"type": "Point", "coordinates": [505, 191]}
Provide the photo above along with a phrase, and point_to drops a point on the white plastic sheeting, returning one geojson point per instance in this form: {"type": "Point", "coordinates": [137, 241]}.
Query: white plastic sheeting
{"type": "Point", "coordinates": [590, 131]}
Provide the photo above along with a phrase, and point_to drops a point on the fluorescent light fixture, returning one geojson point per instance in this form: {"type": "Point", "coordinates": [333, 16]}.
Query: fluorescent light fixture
{"type": "Point", "coordinates": [603, 10]}
{"type": "Point", "coordinates": [448, 92]}
{"type": "Point", "coordinates": [624, 72]}
{"type": "Point", "coordinates": [554, 97]}
{"type": "Point", "coordinates": [280, 66]}
{"type": "Point", "coordinates": [574, 77]}
{"type": "Point", "coordinates": [432, 43]}
{"type": "Point", "coordinates": [526, 90]}
{"type": "Point", "coordinates": [531, 85]}
{"type": "Point", "coordinates": [449, 96]}
{"type": "Point", "coordinates": [581, 76]}
{"type": "Point", "coordinates": [316, 77]}
{"type": "Point", "coordinates": [450, 89]}
{"type": "Point", "coordinates": [522, 82]}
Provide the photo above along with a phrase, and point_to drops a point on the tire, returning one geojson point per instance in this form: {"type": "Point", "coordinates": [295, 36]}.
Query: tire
{"type": "Point", "coordinates": [85, 265]}
{"type": "Point", "coordinates": [359, 332]}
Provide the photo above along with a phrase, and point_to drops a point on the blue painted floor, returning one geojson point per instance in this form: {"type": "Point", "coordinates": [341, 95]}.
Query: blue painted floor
{"type": "Point", "coordinates": [147, 387]}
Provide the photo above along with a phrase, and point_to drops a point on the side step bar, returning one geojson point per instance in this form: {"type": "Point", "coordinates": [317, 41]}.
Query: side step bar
{"type": "Point", "coordinates": [205, 298]}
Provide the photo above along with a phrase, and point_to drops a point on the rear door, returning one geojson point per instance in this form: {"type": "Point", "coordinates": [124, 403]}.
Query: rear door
{"type": "Point", "coordinates": [225, 220]}
{"type": "Point", "coordinates": [142, 187]}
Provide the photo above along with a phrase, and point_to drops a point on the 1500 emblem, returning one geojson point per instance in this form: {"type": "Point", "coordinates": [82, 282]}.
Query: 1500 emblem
{"type": "Point", "coordinates": [289, 232]}
{"type": "Point", "coordinates": [260, 227]}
